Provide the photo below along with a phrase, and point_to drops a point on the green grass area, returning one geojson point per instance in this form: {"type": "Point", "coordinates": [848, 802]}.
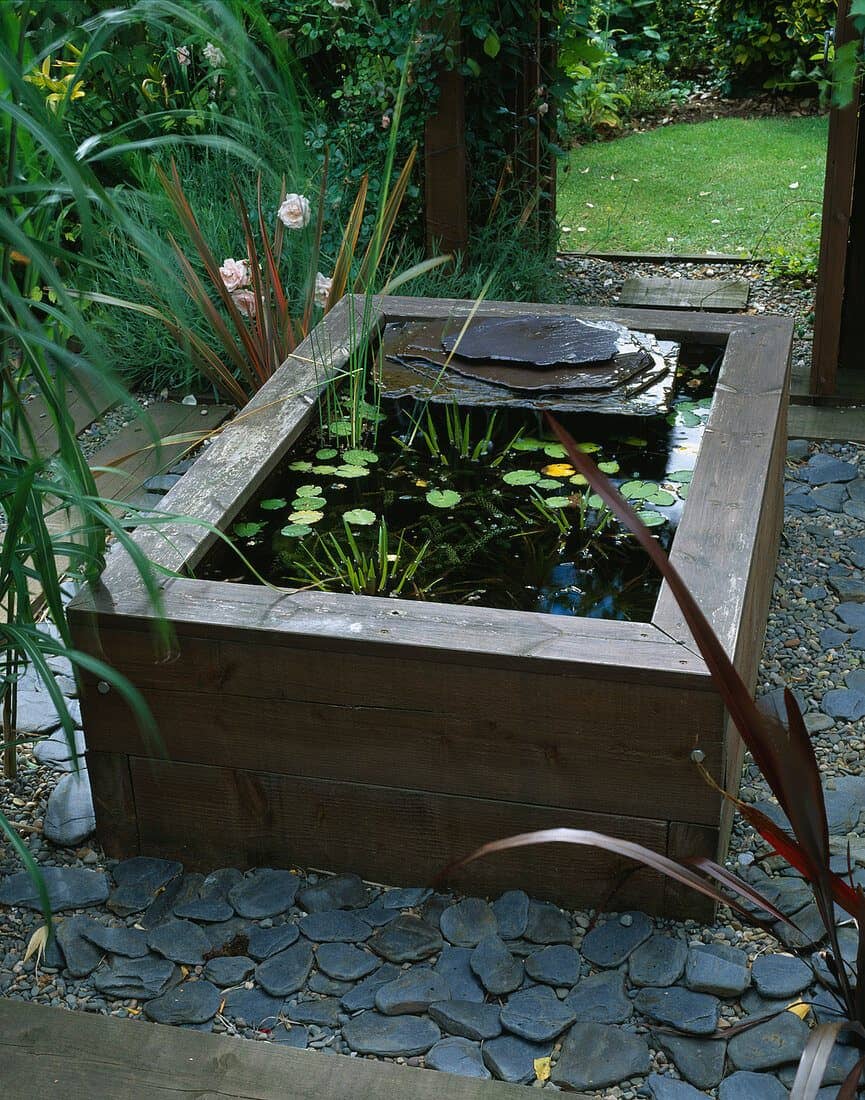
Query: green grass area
{"type": "Point", "coordinates": [732, 185]}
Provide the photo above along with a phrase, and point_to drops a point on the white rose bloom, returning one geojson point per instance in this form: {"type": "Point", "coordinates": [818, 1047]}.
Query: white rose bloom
{"type": "Point", "coordinates": [340, 3]}
{"type": "Point", "coordinates": [235, 274]}
{"type": "Point", "coordinates": [245, 302]}
{"type": "Point", "coordinates": [294, 211]}
{"type": "Point", "coordinates": [213, 55]}
{"type": "Point", "coordinates": [322, 289]}
{"type": "Point", "coordinates": [184, 56]}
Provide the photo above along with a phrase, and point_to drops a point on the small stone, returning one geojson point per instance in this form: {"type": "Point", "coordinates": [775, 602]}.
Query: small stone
{"type": "Point", "coordinates": [179, 940]}
{"type": "Point", "coordinates": [69, 815]}
{"type": "Point", "coordinates": [229, 970]}
{"type": "Point", "coordinates": [339, 892]}
{"type": "Point", "coordinates": [319, 982]}
{"type": "Point", "coordinates": [849, 588]}
{"type": "Point", "coordinates": [161, 908]}
{"type": "Point", "coordinates": [601, 999]}
{"type": "Point", "coordinates": [854, 508]}
{"type": "Point", "coordinates": [457, 1056]}
{"type": "Point", "coordinates": [546, 923]}
{"type": "Point", "coordinates": [717, 968]}
{"type": "Point", "coordinates": [780, 976]}
{"type": "Point", "coordinates": [800, 501]}
{"type": "Point", "coordinates": [454, 965]}
{"type": "Point", "coordinates": [293, 1036]}
{"type": "Point", "coordinates": [830, 497]}
{"type": "Point", "coordinates": [209, 910]}
{"type": "Point", "coordinates": [496, 967]}
{"type": "Point", "coordinates": [817, 723]}
{"type": "Point", "coordinates": [843, 703]}
{"type": "Point", "coordinates": [82, 957]}
{"type": "Point", "coordinates": [146, 871]}
{"type": "Point", "coordinates": [658, 962]}
{"type": "Point", "coordinates": [407, 939]}
{"type": "Point", "coordinates": [513, 1059]}
{"type": "Point", "coordinates": [669, 1088]}
{"type": "Point", "coordinates": [744, 1085]}
{"type": "Point", "coordinates": [413, 991]}
{"type": "Point", "coordinates": [773, 1043]}
{"type": "Point", "coordinates": [472, 1021]}
{"type": "Point", "coordinates": [857, 546]}
{"type": "Point", "coordinates": [377, 915]}
{"type": "Point", "coordinates": [136, 978]}
{"type": "Point", "coordinates": [68, 888]}
{"type": "Point", "coordinates": [254, 1006]}
{"type": "Point", "coordinates": [557, 965]}
{"type": "Point", "coordinates": [536, 1014]}
{"type": "Point", "coordinates": [363, 994]}
{"type": "Point", "coordinates": [129, 942]}
{"type": "Point", "coordinates": [264, 942]}
{"type": "Point", "coordinates": [390, 1036]}
{"type": "Point", "coordinates": [286, 971]}
{"type": "Point", "coordinates": [468, 922]}
{"type": "Point", "coordinates": [832, 638]}
{"type": "Point", "coordinates": [345, 962]}
{"type": "Point", "coordinates": [693, 1013]}
{"type": "Point", "coordinates": [334, 926]}
{"type": "Point", "coordinates": [189, 1003]}
{"type": "Point", "coordinates": [596, 1055]}
{"type": "Point", "coordinates": [610, 943]}
{"type": "Point", "coordinates": [405, 898]}
{"type": "Point", "coordinates": [323, 1012]}
{"type": "Point", "coordinates": [264, 893]}
{"type": "Point", "coordinates": [512, 914]}
{"type": "Point", "coordinates": [699, 1061]}
{"type": "Point", "coordinates": [851, 613]}
{"type": "Point", "coordinates": [822, 468]}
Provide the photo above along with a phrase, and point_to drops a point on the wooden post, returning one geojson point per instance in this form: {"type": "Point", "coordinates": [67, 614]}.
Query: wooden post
{"type": "Point", "coordinates": [852, 351]}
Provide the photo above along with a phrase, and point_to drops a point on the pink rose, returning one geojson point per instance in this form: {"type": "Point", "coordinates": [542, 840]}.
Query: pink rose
{"type": "Point", "coordinates": [235, 274]}
{"type": "Point", "coordinates": [184, 57]}
{"type": "Point", "coordinates": [322, 290]}
{"type": "Point", "coordinates": [294, 211]}
{"type": "Point", "coordinates": [245, 302]}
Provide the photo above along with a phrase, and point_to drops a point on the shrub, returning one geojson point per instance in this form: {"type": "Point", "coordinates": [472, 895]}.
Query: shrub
{"type": "Point", "coordinates": [776, 43]}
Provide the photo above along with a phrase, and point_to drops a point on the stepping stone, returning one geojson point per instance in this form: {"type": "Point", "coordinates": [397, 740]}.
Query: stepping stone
{"type": "Point", "coordinates": [755, 1005]}
{"type": "Point", "coordinates": [69, 815]}
{"type": "Point", "coordinates": [465, 1018]}
{"type": "Point", "coordinates": [345, 962]}
{"type": "Point", "coordinates": [557, 965]}
{"type": "Point", "coordinates": [390, 1036]}
{"type": "Point", "coordinates": [851, 613]}
{"type": "Point", "coordinates": [264, 942]}
{"type": "Point", "coordinates": [68, 888]}
{"type": "Point", "coordinates": [693, 1013]}
{"type": "Point", "coordinates": [209, 910]}
{"type": "Point", "coordinates": [230, 938]}
{"type": "Point", "coordinates": [454, 965]}
{"type": "Point", "coordinates": [696, 294]}
{"type": "Point", "coordinates": [768, 1045]}
{"type": "Point", "coordinates": [546, 923]}
{"type": "Point", "coordinates": [219, 882]}
{"type": "Point", "coordinates": [363, 994]}
{"type": "Point", "coordinates": [229, 970]}
{"type": "Point", "coordinates": [496, 967]}
{"type": "Point", "coordinates": [513, 1059]}
{"type": "Point", "coordinates": [601, 999]}
{"type": "Point", "coordinates": [149, 873]}
{"type": "Point", "coordinates": [37, 713]}
{"type": "Point", "coordinates": [323, 1012]}
{"type": "Point", "coordinates": [413, 991]}
{"type": "Point", "coordinates": [801, 501]}
{"type": "Point", "coordinates": [129, 942]}
{"type": "Point", "coordinates": [253, 1006]}
{"type": "Point", "coordinates": [334, 926]}
{"type": "Point", "coordinates": [82, 957]}
{"type": "Point", "coordinates": [719, 969]}
{"type": "Point", "coordinates": [294, 1036]}
{"type": "Point", "coordinates": [189, 1003]}
{"type": "Point", "coordinates": [844, 703]}
{"type": "Point", "coordinates": [744, 1085]}
{"type": "Point", "coordinates": [658, 962]}
{"type": "Point", "coordinates": [855, 508]}
{"type": "Point", "coordinates": [181, 941]}
{"type": "Point", "coordinates": [285, 972]}
{"type": "Point", "coordinates": [264, 893]}
{"type": "Point", "coordinates": [536, 1014]}
{"type": "Point", "coordinates": [457, 1056]}
{"type": "Point", "coordinates": [511, 911]}
{"type": "Point", "coordinates": [668, 1088]}
{"type": "Point", "coordinates": [809, 929]}
{"type": "Point", "coordinates": [407, 939]}
{"type": "Point", "coordinates": [140, 979]}
{"type": "Point", "coordinates": [596, 1055]}
{"type": "Point", "coordinates": [468, 922]}
{"type": "Point", "coordinates": [699, 1061]}
{"type": "Point", "coordinates": [339, 892]}
{"type": "Point", "coordinates": [780, 976]}
{"type": "Point", "coordinates": [406, 898]}
{"type": "Point", "coordinates": [857, 546]}
{"type": "Point", "coordinates": [609, 944]}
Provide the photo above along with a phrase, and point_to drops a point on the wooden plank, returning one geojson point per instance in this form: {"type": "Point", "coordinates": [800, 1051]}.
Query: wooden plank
{"type": "Point", "coordinates": [113, 802]}
{"type": "Point", "coordinates": [684, 840]}
{"type": "Point", "coordinates": [664, 293]}
{"type": "Point", "coordinates": [87, 400]}
{"type": "Point", "coordinates": [209, 817]}
{"type": "Point", "coordinates": [48, 1052]}
{"type": "Point", "coordinates": [445, 164]}
{"type": "Point", "coordinates": [841, 424]}
{"type": "Point", "coordinates": [852, 338]}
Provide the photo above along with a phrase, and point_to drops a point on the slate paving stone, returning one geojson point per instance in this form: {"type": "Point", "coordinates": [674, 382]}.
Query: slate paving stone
{"type": "Point", "coordinates": [253, 1006]}
{"type": "Point", "coordinates": [780, 976]}
{"type": "Point", "coordinates": [229, 970]}
{"type": "Point", "coordinates": [323, 1012]}
{"type": "Point", "coordinates": [68, 888]}
{"type": "Point", "coordinates": [457, 1056]}
{"type": "Point", "coordinates": [756, 1005]}
{"type": "Point", "coordinates": [345, 962]}
{"type": "Point", "coordinates": [659, 961]}
{"type": "Point", "coordinates": [410, 897]}
{"type": "Point", "coordinates": [809, 929]}
{"type": "Point", "coordinates": [831, 638]}
{"type": "Point", "coordinates": [377, 915]}
{"type": "Point", "coordinates": [857, 640]}
{"type": "Point", "coordinates": [454, 965]}
{"type": "Point", "coordinates": [139, 978]}
{"type": "Point", "coordinates": [497, 969]}
{"type": "Point", "coordinates": [126, 900]}
{"type": "Point", "coordinates": [668, 1088]}
{"type": "Point", "coordinates": [319, 982]}
{"type": "Point", "coordinates": [407, 939]}
{"type": "Point", "coordinates": [814, 592]}
{"type": "Point", "coordinates": [699, 1061]}
{"type": "Point", "coordinates": [219, 882]}
{"type": "Point", "coordinates": [801, 501]}
{"type": "Point", "coordinates": [842, 1059]}
{"type": "Point", "coordinates": [468, 922]}
{"type": "Point", "coordinates": [161, 909]}
{"type": "Point", "coordinates": [601, 999]}
{"type": "Point", "coordinates": [363, 994]}
{"type": "Point", "coordinates": [146, 871]}
{"type": "Point", "coordinates": [854, 508]}
{"type": "Point", "coordinates": [610, 943]}
{"type": "Point", "coordinates": [557, 965]}
{"type": "Point", "coordinates": [220, 936]}
{"type": "Point", "coordinates": [294, 1036]}
{"type": "Point", "coordinates": [468, 1019]}
{"type": "Point", "coordinates": [412, 992]}
{"type": "Point", "coordinates": [210, 910]}
{"type": "Point", "coordinates": [81, 955]}
{"type": "Point", "coordinates": [390, 1036]}
{"type": "Point", "coordinates": [596, 1055]}
{"type": "Point", "coordinates": [768, 1045]}
{"type": "Point", "coordinates": [829, 497]}
{"type": "Point", "coordinates": [546, 923]}
{"type": "Point", "coordinates": [745, 1085]}
{"type": "Point", "coordinates": [188, 1003]}
{"type": "Point", "coordinates": [719, 969]}
{"type": "Point", "coordinates": [513, 1059]}
{"type": "Point", "coordinates": [179, 940]}
{"type": "Point", "coordinates": [849, 587]}
{"type": "Point", "coordinates": [822, 468]}
{"type": "Point", "coordinates": [285, 972]}
{"type": "Point", "coordinates": [536, 1014]}
{"type": "Point", "coordinates": [264, 893]}
{"type": "Point", "coordinates": [851, 613]}
{"type": "Point", "coordinates": [857, 546]}
{"type": "Point", "coordinates": [693, 1013]}
{"type": "Point", "coordinates": [264, 942]}
{"type": "Point", "coordinates": [130, 942]}
{"type": "Point", "coordinates": [339, 892]}
{"type": "Point", "coordinates": [844, 703]}
{"type": "Point", "coordinates": [511, 911]}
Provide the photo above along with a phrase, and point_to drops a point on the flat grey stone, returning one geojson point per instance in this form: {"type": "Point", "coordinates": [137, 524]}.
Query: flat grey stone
{"type": "Point", "coordinates": [717, 968]}
{"type": "Point", "coordinates": [82, 957]}
{"type": "Point", "coordinates": [345, 962]}
{"type": "Point", "coordinates": [413, 991]}
{"type": "Point", "coordinates": [753, 1004]}
{"type": "Point", "coordinates": [668, 1088]}
{"type": "Point", "coordinates": [745, 1085]}
{"type": "Point", "coordinates": [857, 546]}
{"type": "Point", "coordinates": [809, 929]}
{"type": "Point", "coordinates": [253, 1006]}
{"type": "Point", "coordinates": [693, 1013]}
{"type": "Point", "coordinates": [857, 640]}
{"type": "Point", "coordinates": [454, 965]}
{"type": "Point", "coordinates": [849, 588]}
{"type": "Point", "coordinates": [390, 1036]}
{"type": "Point", "coordinates": [498, 970]}
{"type": "Point", "coordinates": [768, 1045]}
{"type": "Point", "coordinates": [468, 1019]}
{"type": "Point", "coordinates": [179, 940]}
{"type": "Point", "coordinates": [659, 961]}
{"type": "Point", "coordinates": [363, 994]}
{"type": "Point", "coordinates": [339, 892]}
{"type": "Point", "coordinates": [264, 942]}
{"type": "Point", "coordinates": [512, 914]}
{"type": "Point", "coordinates": [286, 971]}
{"type": "Point", "coordinates": [407, 939]}
{"type": "Point", "coordinates": [68, 888]}
{"type": "Point", "coordinates": [55, 751]}
{"type": "Point", "coordinates": [800, 501]}
{"type": "Point", "coordinates": [467, 922]}
{"type": "Point", "coordinates": [822, 468]}
{"type": "Point", "coordinates": [815, 722]}
{"type": "Point", "coordinates": [206, 910]}
{"type": "Point", "coordinates": [323, 1012]}
{"type": "Point", "coordinates": [334, 926]}
{"type": "Point", "coordinates": [546, 923]}
{"type": "Point", "coordinates": [780, 976]}
{"type": "Point", "coordinates": [293, 1036]}
{"type": "Point", "coordinates": [854, 508]}
{"type": "Point", "coordinates": [851, 613]}
{"type": "Point", "coordinates": [146, 871]}
{"type": "Point", "coordinates": [513, 1059]}
{"type": "Point", "coordinates": [601, 999]}
{"type": "Point", "coordinates": [129, 899]}
{"type": "Point", "coordinates": [841, 1061]}
{"type": "Point", "coordinates": [536, 1014]}
{"type": "Point", "coordinates": [405, 897]}
{"type": "Point", "coordinates": [319, 982]}
{"type": "Point", "coordinates": [457, 1056]}
{"type": "Point", "coordinates": [137, 978]}
{"type": "Point", "coordinates": [377, 915]}
{"type": "Point", "coordinates": [264, 893]}
{"type": "Point", "coordinates": [129, 942]}
{"type": "Point", "coordinates": [229, 970]}
{"type": "Point", "coordinates": [699, 1061]}
{"type": "Point", "coordinates": [596, 1055]}
{"type": "Point", "coordinates": [188, 1003]}
{"type": "Point", "coordinates": [557, 965]}
{"type": "Point", "coordinates": [610, 943]}
{"type": "Point", "coordinates": [814, 592]}
{"type": "Point", "coordinates": [232, 933]}
{"type": "Point", "coordinates": [829, 497]}
{"type": "Point", "coordinates": [145, 882]}
{"type": "Point", "coordinates": [37, 714]}
{"type": "Point", "coordinates": [844, 703]}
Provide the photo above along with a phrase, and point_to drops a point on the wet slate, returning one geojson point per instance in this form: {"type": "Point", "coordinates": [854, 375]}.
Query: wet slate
{"type": "Point", "coordinates": [407, 939]}
{"type": "Point", "coordinates": [345, 962]}
{"type": "Point", "coordinates": [511, 911]}
{"type": "Point", "coordinates": [745, 1085]}
{"type": "Point", "coordinates": [339, 892]}
{"type": "Point", "coordinates": [229, 970]}
{"type": "Point", "coordinates": [717, 968]}
{"type": "Point", "coordinates": [659, 961]}
{"type": "Point", "coordinates": [264, 942]}
{"type": "Point", "coordinates": [699, 1061]}
{"type": "Point", "coordinates": [81, 955]}
{"type": "Point", "coordinates": [208, 909]}
{"type": "Point", "coordinates": [468, 1019]}
{"type": "Point", "coordinates": [454, 964]}
{"type": "Point", "coordinates": [467, 922]}
{"type": "Point", "coordinates": [189, 1003]}
{"type": "Point", "coordinates": [68, 888]}
{"type": "Point", "coordinates": [533, 341]}
{"type": "Point", "coordinates": [693, 1013]}
{"type": "Point", "coordinates": [253, 1006]}
{"type": "Point", "coordinates": [147, 872]}
{"type": "Point", "coordinates": [117, 940]}
{"type": "Point", "coordinates": [406, 897]}
{"type": "Point", "coordinates": [768, 1045]}
{"type": "Point", "coordinates": [412, 992]}
{"type": "Point", "coordinates": [609, 944]}
{"type": "Point", "coordinates": [557, 964]}
{"type": "Point", "coordinates": [285, 972]}
{"type": "Point", "coordinates": [601, 999]}
{"type": "Point", "coordinates": [546, 923]}
{"type": "Point", "coordinates": [390, 1036]}
{"type": "Point", "coordinates": [822, 468]}
{"type": "Point", "coordinates": [780, 976]}
{"type": "Point", "coordinates": [294, 1036]}
{"type": "Point", "coordinates": [497, 969]}
{"type": "Point", "coordinates": [455, 1055]}
{"type": "Point", "coordinates": [264, 893]}
{"type": "Point", "coordinates": [513, 1059]}
{"type": "Point", "coordinates": [668, 1088]}
{"type": "Point", "coordinates": [334, 926]}
{"type": "Point", "coordinates": [323, 1012]}
{"type": "Point", "coordinates": [536, 1014]}
{"type": "Point", "coordinates": [363, 994]}
{"type": "Point", "coordinates": [596, 1055]}
{"type": "Point", "coordinates": [139, 978]}
{"type": "Point", "coordinates": [179, 940]}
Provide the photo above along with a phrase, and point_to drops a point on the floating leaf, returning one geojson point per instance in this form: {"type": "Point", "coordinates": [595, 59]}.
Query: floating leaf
{"type": "Point", "coordinates": [660, 498]}
{"type": "Point", "coordinates": [578, 479]}
{"type": "Point", "coordinates": [308, 491]}
{"type": "Point", "coordinates": [325, 453]}
{"type": "Point", "coordinates": [352, 471]}
{"type": "Point", "coordinates": [527, 443]}
{"type": "Point", "coordinates": [608, 467]}
{"type": "Point", "coordinates": [360, 517]}
{"type": "Point", "coordinates": [680, 477]}
{"type": "Point", "coordinates": [559, 469]}
{"type": "Point", "coordinates": [547, 483]}
{"type": "Point", "coordinates": [296, 530]}
{"type": "Point", "coordinates": [683, 491]}
{"type": "Point", "coordinates": [595, 501]}
{"type": "Point", "coordinates": [368, 411]}
{"type": "Point", "coordinates": [301, 467]}
{"type": "Point", "coordinates": [359, 457]}
{"type": "Point", "coordinates": [635, 441]}
{"type": "Point", "coordinates": [247, 530]}
{"type": "Point", "coordinates": [306, 516]}
{"type": "Point", "coordinates": [340, 427]}
{"type": "Point", "coordinates": [554, 450]}
{"type": "Point", "coordinates": [558, 502]}
{"type": "Point", "coordinates": [443, 498]}
{"type": "Point", "coordinates": [588, 448]}
{"type": "Point", "coordinates": [651, 518]}
{"type": "Point", "coordinates": [274, 504]}
{"type": "Point", "coordinates": [521, 477]}
{"type": "Point", "coordinates": [686, 419]}
{"type": "Point", "coordinates": [637, 490]}
{"type": "Point", "coordinates": [310, 502]}
{"type": "Point", "coordinates": [324, 469]}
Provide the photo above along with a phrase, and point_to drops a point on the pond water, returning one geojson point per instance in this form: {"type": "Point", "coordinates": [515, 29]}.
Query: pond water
{"type": "Point", "coordinates": [474, 505]}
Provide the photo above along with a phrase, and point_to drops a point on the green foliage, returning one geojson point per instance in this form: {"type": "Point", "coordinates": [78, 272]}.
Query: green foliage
{"type": "Point", "coordinates": [797, 261]}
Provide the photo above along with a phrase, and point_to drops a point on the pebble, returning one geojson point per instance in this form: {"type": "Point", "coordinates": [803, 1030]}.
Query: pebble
{"type": "Point", "coordinates": [498, 970]}
{"type": "Point", "coordinates": [610, 943]}
{"type": "Point", "coordinates": [264, 893]}
{"type": "Point", "coordinates": [513, 1059]}
{"type": "Point", "coordinates": [536, 1014]}
{"type": "Point", "coordinates": [596, 1055]}
{"type": "Point", "coordinates": [468, 922]}
{"type": "Point", "coordinates": [407, 939]}
{"type": "Point", "coordinates": [456, 1055]}
{"type": "Point", "coordinates": [601, 999]}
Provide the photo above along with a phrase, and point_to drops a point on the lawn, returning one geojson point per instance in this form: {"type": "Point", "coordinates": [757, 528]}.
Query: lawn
{"type": "Point", "coordinates": [732, 185]}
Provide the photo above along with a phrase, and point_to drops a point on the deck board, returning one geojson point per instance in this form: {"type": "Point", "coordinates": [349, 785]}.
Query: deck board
{"type": "Point", "coordinates": [666, 293]}
{"type": "Point", "coordinates": [87, 401]}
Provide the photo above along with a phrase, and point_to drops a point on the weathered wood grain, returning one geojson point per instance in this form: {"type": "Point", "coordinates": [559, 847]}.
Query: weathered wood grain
{"type": "Point", "coordinates": [700, 294]}
{"type": "Point", "coordinates": [113, 801]}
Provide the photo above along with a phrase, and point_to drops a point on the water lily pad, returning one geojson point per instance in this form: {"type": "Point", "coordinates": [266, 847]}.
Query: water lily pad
{"type": "Point", "coordinates": [651, 518]}
{"type": "Point", "coordinates": [273, 504]}
{"type": "Point", "coordinates": [660, 498]}
{"type": "Point", "coordinates": [348, 470]}
{"type": "Point", "coordinates": [578, 479]}
{"type": "Point", "coordinates": [368, 411]}
{"type": "Point", "coordinates": [527, 443]}
{"type": "Point", "coordinates": [308, 491]}
{"type": "Point", "coordinates": [555, 450]}
{"type": "Point", "coordinates": [339, 427]}
{"type": "Point", "coordinates": [637, 490]}
{"type": "Point", "coordinates": [307, 516]}
{"type": "Point", "coordinates": [686, 418]}
{"type": "Point", "coordinates": [521, 477]}
{"type": "Point", "coordinates": [680, 477]}
{"type": "Point", "coordinates": [557, 502]}
{"type": "Point", "coordinates": [326, 452]}
{"type": "Point", "coordinates": [559, 469]}
{"type": "Point", "coordinates": [316, 503]}
{"type": "Point", "coordinates": [301, 467]}
{"type": "Point", "coordinates": [359, 457]}
{"type": "Point", "coordinates": [608, 467]}
{"type": "Point", "coordinates": [295, 530]}
{"type": "Point", "coordinates": [547, 483]}
{"type": "Point", "coordinates": [247, 530]}
{"type": "Point", "coordinates": [635, 441]}
{"type": "Point", "coordinates": [359, 517]}
{"type": "Point", "coordinates": [443, 498]}
{"type": "Point", "coordinates": [325, 469]}
{"type": "Point", "coordinates": [683, 491]}
{"type": "Point", "coordinates": [595, 501]}
{"type": "Point", "coordinates": [588, 448]}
